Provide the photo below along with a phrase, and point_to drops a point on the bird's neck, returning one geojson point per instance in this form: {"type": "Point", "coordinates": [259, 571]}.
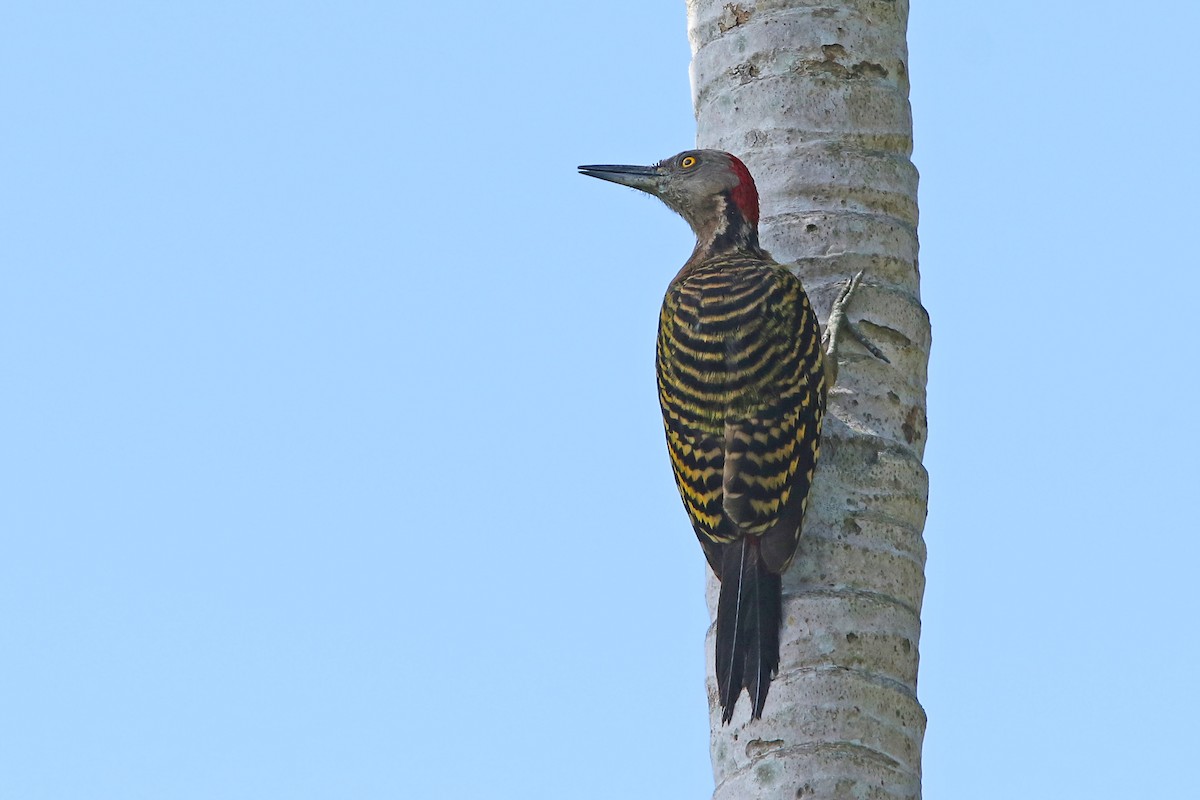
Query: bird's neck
{"type": "Point", "coordinates": [723, 231]}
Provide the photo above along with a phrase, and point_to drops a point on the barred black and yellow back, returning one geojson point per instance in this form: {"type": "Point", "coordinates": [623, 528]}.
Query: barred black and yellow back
{"type": "Point", "coordinates": [741, 380]}
{"type": "Point", "coordinates": [741, 383]}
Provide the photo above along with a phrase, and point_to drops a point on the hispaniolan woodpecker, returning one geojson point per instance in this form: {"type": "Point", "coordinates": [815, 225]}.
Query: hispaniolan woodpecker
{"type": "Point", "coordinates": [742, 378]}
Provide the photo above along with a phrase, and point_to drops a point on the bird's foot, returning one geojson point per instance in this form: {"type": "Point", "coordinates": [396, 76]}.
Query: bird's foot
{"type": "Point", "coordinates": [839, 322]}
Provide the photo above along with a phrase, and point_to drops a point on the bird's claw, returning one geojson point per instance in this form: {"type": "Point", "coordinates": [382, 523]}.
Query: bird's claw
{"type": "Point", "coordinates": [867, 343]}
{"type": "Point", "coordinates": [839, 321]}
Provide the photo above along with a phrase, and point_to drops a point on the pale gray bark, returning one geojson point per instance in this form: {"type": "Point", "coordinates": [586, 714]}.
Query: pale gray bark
{"type": "Point", "coordinates": [813, 96]}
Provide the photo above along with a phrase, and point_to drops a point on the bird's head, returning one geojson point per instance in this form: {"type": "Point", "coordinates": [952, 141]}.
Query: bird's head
{"type": "Point", "coordinates": [711, 189]}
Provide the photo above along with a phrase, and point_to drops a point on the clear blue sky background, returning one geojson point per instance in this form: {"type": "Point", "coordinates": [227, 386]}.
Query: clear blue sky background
{"type": "Point", "coordinates": [333, 465]}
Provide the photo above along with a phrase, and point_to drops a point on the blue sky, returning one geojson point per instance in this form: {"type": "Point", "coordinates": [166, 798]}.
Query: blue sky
{"type": "Point", "coordinates": [333, 460]}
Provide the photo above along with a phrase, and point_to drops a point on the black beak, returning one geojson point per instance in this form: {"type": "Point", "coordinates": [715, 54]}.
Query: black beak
{"type": "Point", "coordinates": [644, 178]}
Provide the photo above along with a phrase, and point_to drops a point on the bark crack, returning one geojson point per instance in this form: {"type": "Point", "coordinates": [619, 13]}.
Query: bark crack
{"type": "Point", "coordinates": [844, 749]}
{"type": "Point", "coordinates": [862, 594]}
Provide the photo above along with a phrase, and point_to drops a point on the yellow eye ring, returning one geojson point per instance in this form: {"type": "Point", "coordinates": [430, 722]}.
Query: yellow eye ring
{"type": "Point", "coordinates": [687, 162]}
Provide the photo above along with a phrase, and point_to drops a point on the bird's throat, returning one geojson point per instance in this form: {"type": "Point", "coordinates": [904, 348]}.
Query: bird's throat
{"type": "Point", "coordinates": [723, 231]}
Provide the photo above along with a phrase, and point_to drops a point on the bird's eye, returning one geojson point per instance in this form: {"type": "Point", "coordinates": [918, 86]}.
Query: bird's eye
{"type": "Point", "coordinates": [687, 162]}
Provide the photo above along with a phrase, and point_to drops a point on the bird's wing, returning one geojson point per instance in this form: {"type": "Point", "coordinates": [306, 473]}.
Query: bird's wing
{"type": "Point", "coordinates": [772, 439]}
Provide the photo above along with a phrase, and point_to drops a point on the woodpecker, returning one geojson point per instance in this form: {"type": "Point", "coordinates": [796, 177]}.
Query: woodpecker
{"type": "Point", "coordinates": [742, 377]}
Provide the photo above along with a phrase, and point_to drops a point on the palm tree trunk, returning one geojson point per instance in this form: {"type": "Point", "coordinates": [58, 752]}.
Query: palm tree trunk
{"type": "Point", "coordinates": [814, 98]}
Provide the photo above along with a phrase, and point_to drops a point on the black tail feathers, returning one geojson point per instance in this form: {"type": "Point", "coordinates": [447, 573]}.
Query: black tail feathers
{"type": "Point", "coordinates": [749, 615]}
